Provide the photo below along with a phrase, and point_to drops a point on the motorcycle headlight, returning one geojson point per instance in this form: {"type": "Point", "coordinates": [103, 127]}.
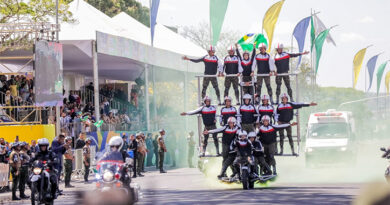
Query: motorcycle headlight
{"type": "Point", "coordinates": [108, 176]}
{"type": "Point", "coordinates": [37, 170]}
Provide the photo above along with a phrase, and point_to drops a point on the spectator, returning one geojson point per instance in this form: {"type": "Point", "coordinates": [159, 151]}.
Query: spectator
{"type": "Point", "coordinates": [150, 148]}
{"type": "Point", "coordinates": [57, 146]}
{"type": "Point", "coordinates": [34, 148]}
{"type": "Point", "coordinates": [80, 142]}
{"type": "Point", "coordinates": [133, 145]}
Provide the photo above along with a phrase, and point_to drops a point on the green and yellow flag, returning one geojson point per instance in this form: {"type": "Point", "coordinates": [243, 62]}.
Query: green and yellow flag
{"type": "Point", "coordinates": [387, 82]}
{"type": "Point", "coordinates": [318, 43]}
{"type": "Point", "coordinates": [270, 19]}
{"type": "Point", "coordinates": [357, 64]}
{"type": "Point", "coordinates": [247, 41]}
{"type": "Point", "coordinates": [99, 123]}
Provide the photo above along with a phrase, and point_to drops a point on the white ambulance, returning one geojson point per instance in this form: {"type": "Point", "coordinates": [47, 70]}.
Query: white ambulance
{"type": "Point", "coordinates": [330, 138]}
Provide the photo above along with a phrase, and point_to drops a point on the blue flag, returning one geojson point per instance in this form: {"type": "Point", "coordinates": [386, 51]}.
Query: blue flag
{"type": "Point", "coordinates": [153, 17]}
{"type": "Point", "coordinates": [300, 34]}
{"type": "Point", "coordinates": [371, 68]}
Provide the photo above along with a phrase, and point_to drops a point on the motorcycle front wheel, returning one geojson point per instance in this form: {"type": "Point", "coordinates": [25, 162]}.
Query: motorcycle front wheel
{"type": "Point", "coordinates": [34, 193]}
{"type": "Point", "coordinates": [245, 179]}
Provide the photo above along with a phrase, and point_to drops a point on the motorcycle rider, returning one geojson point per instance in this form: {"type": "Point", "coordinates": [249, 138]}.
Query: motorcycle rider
{"type": "Point", "coordinates": [208, 115]}
{"type": "Point", "coordinates": [246, 70]}
{"type": "Point", "coordinates": [230, 66]}
{"type": "Point", "coordinates": [247, 114]}
{"type": "Point", "coordinates": [265, 108]}
{"type": "Point", "coordinates": [258, 154]}
{"type": "Point", "coordinates": [244, 149]}
{"type": "Point", "coordinates": [115, 152]}
{"type": "Point", "coordinates": [212, 66]}
{"type": "Point", "coordinates": [284, 114]}
{"type": "Point", "coordinates": [265, 65]}
{"type": "Point", "coordinates": [44, 154]}
{"type": "Point", "coordinates": [229, 134]}
{"type": "Point", "coordinates": [227, 111]}
{"type": "Point", "coordinates": [15, 164]}
{"type": "Point", "coordinates": [23, 178]}
{"type": "Point", "coordinates": [267, 136]}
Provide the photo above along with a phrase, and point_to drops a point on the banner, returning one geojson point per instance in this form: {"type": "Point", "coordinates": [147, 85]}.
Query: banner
{"type": "Point", "coordinates": [48, 74]}
{"type": "Point", "coordinates": [318, 43]}
{"type": "Point", "coordinates": [153, 17]}
{"type": "Point", "coordinates": [270, 19]}
{"type": "Point", "coordinates": [217, 15]}
{"type": "Point", "coordinates": [371, 68]}
{"type": "Point", "coordinates": [387, 82]}
{"type": "Point", "coordinates": [379, 75]}
{"type": "Point", "coordinates": [357, 65]}
{"type": "Point", "coordinates": [300, 35]}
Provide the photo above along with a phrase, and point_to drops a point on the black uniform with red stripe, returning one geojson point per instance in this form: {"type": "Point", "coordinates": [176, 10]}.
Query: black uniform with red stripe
{"type": "Point", "coordinates": [210, 62]}
{"type": "Point", "coordinates": [229, 134]}
{"type": "Point", "coordinates": [208, 117]}
{"type": "Point", "coordinates": [282, 61]}
{"type": "Point", "coordinates": [267, 136]}
{"type": "Point", "coordinates": [244, 148]}
{"type": "Point", "coordinates": [266, 110]}
{"type": "Point", "coordinates": [247, 113]}
{"type": "Point", "coordinates": [262, 62]}
{"type": "Point", "coordinates": [226, 113]}
{"type": "Point", "coordinates": [285, 112]}
{"type": "Point", "coordinates": [231, 64]}
{"type": "Point", "coordinates": [246, 65]}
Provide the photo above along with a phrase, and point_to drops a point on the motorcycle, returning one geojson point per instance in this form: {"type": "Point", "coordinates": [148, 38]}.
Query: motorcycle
{"type": "Point", "coordinates": [114, 174]}
{"type": "Point", "coordinates": [387, 156]}
{"type": "Point", "coordinates": [40, 184]}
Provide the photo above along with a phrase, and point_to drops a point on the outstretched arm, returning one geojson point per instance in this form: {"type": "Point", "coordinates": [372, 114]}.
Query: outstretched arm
{"type": "Point", "coordinates": [197, 111]}
{"type": "Point", "coordinates": [297, 105]}
{"type": "Point", "coordinates": [293, 55]}
{"type": "Point", "coordinates": [194, 60]}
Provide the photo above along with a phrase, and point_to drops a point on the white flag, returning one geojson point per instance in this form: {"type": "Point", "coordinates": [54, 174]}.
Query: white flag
{"type": "Point", "coordinates": [319, 27]}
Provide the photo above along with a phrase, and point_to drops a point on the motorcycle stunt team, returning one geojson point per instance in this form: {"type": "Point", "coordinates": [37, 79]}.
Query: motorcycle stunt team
{"type": "Point", "coordinates": [250, 130]}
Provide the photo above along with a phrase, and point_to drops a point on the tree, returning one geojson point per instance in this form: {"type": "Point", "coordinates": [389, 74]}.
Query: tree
{"type": "Point", "coordinates": [131, 7]}
{"type": "Point", "coordinates": [18, 11]}
{"type": "Point", "coordinates": [200, 35]}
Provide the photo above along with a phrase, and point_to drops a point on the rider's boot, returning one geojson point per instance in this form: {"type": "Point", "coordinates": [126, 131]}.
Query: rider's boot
{"type": "Point", "coordinates": [281, 150]}
{"type": "Point", "coordinates": [293, 151]}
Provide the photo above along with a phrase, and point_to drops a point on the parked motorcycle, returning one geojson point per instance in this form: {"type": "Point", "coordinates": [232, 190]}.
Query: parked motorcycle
{"type": "Point", "coordinates": [40, 184]}
{"type": "Point", "coordinates": [387, 156]}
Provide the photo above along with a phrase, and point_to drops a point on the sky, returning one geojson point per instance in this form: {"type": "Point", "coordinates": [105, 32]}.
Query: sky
{"type": "Point", "coordinates": [360, 23]}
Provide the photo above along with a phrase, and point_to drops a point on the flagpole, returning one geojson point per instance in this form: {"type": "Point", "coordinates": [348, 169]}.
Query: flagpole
{"type": "Point", "coordinates": [311, 55]}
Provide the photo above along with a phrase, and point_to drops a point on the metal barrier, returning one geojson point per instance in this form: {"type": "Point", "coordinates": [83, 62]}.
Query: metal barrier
{"type": "Point", "coordinates": [4, 173]}
{"type": "Point", "coordinates": [27, 114]}
{"type": "Point", "coordinates": [253, 82]}
{"type": "Point", "coordinates": [78, 171]}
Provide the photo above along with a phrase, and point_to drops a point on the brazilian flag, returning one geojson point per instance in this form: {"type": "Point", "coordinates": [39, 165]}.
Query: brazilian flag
{"type": "Point", "coordinates": [247, 41]}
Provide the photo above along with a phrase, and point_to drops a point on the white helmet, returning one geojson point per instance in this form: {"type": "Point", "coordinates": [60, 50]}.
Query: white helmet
{"type": "Point", "coordinates": [265, 117]}
{"type": "Point", "coordinates": [206, 98]}
{"type": "Point", "coordinates": [243, 133]}
{"type": "Point", "coordinates": [115, 141]}
{"type": "Point", "coordinates": [265, 97]}
{"type": "Point", "coordinates": [280, 45]}
{"type": "Point", "coordinates": [43, 142]}
{"type": "Point", "coordinates": [232, 119]}
{"type": "Point", "coordinates": [228, 98]}
{"type": "Point", "coordinates": [251, 134]}
{"type": "Point", "coordinates": [211, 48]}
{"type": "Point", "coordinates": [231, 48]}
{"type": "Point", "coordinates": [284, 95]}
{"type": "Point", "coordinates": [262, 45]}
{"type": "Point", "coordinates": [247, 96]}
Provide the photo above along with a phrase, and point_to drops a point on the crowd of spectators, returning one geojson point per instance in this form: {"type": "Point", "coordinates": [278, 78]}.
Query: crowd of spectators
{"type": "Point", "coordinates": [16, 90]}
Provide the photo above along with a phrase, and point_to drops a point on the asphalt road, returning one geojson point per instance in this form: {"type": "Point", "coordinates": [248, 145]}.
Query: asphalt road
{"type": "Point", "coordinates": [189, 186]}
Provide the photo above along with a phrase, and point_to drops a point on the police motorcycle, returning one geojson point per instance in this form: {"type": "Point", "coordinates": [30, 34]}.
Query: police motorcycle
{"type": "Point", "coordinates": [113, 173]}
{"type": "Point", "coordinates": [387, 156]}
{"type": "Point", "coordinates": [39, 180]}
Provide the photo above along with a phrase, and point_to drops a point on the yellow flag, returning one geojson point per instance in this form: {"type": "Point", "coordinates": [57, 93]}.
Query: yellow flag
{"type": "Point", "coordinates": [387, 81]}
{"type": "Point", "coordinates": [357, 64]}
{"type": "Point", "coordinates": [269, 21]}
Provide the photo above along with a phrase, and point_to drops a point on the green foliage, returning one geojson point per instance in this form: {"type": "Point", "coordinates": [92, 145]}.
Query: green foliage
{"type": "Point", "coordinates": [15, 11]}
{"type": "Point", "coordinates": [131, 7]}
